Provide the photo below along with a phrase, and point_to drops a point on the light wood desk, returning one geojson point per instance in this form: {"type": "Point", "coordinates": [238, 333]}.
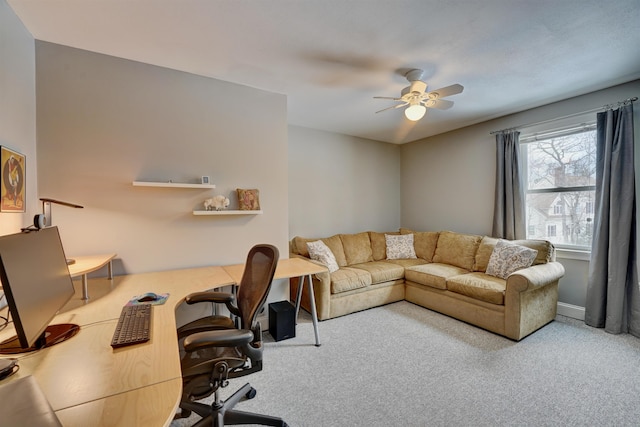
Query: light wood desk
{"type": "Point", "coordinates": [288, 268]}
{"type": "Point", "coordinates": [88, 383]}
{"type": "Point", "coordinates": [84, 265]}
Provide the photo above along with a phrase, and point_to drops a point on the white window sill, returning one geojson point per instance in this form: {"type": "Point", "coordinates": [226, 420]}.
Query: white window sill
{"type": "Point", "coordinates": [582, 255]}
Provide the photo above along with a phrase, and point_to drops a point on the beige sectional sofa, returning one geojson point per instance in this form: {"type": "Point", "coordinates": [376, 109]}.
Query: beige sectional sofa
{"type": "Point", "coordinates": [447, 275]}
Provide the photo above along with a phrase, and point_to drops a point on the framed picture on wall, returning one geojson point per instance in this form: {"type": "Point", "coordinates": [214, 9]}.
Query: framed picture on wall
{"type": "Point", "coordinates": [12, 187]}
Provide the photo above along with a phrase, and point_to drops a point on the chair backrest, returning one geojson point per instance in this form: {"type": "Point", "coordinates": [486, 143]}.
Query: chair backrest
{"type": "Point", "coordinates": [256, 282]}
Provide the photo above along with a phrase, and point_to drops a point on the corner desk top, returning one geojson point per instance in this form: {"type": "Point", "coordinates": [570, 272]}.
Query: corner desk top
{"type": "Point", "coordinates": [90, 384]}
{"type": "Point", "coordinates": [286, 268]}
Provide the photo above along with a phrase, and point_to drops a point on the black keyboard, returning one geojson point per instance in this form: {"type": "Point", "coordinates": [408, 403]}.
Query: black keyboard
{"type": "Point", "coordinates": [134, 326]}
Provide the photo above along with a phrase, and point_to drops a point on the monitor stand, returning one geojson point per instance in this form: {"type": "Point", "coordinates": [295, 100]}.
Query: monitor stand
{"type": "Point", "coordinates": [54, 334]}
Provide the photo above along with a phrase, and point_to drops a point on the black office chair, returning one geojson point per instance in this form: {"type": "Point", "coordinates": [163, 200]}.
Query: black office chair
{"type": "Point", "coordinates": [218, 350]}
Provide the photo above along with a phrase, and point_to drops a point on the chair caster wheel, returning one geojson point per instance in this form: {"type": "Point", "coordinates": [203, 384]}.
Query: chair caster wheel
{"type": "Point", "coordinates": [251, 393]}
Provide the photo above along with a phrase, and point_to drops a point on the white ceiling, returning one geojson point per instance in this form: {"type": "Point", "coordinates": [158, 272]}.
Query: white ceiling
{"type": "Point", "coordinates": [331, 57]}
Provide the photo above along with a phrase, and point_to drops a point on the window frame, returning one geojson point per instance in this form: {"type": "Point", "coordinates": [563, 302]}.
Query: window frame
{"type": "Point", "coordinates": [578, 125]}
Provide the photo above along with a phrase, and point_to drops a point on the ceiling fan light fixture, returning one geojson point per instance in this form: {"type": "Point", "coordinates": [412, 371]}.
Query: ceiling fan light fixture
{"type": "Point", "coordinates": [415, 112]}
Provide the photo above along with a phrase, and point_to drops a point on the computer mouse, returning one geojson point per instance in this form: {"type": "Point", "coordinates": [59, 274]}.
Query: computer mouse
{"type": "Point", "coordinates": [149, 296]}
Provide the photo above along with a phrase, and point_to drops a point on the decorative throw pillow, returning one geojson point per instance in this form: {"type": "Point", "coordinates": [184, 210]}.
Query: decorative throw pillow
{"type": "Point", "coordinates": [507, 258]}
{"type": "Point", "coordinates": [400, 246]}
{"type": "Point", "coordinates": [248, 200]}
{"type": "Point", "coordinates": [320, 252]}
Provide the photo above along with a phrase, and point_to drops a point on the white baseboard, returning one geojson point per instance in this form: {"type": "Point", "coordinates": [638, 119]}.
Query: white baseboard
{"type": "Point", "coordinates": [569, 310]}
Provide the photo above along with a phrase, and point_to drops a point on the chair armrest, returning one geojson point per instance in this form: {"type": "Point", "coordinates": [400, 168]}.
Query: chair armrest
{"type": "Point", "coordinates": [535, 276]}
{"type": "Point", "coordinates": [222, 338]}
{"type": "Point", "coordinates": [209, 296]}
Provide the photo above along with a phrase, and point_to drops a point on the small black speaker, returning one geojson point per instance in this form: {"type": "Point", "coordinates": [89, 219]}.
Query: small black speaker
{"type": "Point", "coordinates": [282, 320]}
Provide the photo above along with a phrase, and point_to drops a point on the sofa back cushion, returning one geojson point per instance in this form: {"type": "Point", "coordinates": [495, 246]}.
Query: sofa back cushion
{"type": "Point", "coordinates": [457, 249]}
{"type": "Point", "coordinates": [334, 243]}
{"type": "Point", "coordinates": [379, 245]}
{"type": "Point", "coordinates": [546, 251]}
{"type": "Point", "coordinates": [424, 242]}
{"type": "Point", "coordinates": [357, 248]}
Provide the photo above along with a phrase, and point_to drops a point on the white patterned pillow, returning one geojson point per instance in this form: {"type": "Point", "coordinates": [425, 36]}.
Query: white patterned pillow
{"type": "Point", "coordinates": [508, 257]}
{"type": "Point", "coordinates": [320, 252]}
{"type": "Point", "coordinates": [400, 246]}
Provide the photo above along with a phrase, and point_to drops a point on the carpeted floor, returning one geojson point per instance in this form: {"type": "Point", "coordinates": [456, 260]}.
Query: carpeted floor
{"type": "Point", "coordinates": [403, 365]}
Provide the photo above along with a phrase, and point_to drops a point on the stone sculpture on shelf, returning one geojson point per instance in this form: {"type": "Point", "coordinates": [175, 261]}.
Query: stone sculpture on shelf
{"type": "Point", "coordinates": [216, 203]}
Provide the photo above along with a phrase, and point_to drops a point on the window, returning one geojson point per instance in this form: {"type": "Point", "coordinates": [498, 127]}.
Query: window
{"type": "Point", "coordinates": [557, 208]}
{"type": "Point", "coordinates": [560, 174]}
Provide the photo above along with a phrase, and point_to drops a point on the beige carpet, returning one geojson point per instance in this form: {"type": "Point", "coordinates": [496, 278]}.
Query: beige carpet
{"type": "Point", "coordinates": [403, 365]}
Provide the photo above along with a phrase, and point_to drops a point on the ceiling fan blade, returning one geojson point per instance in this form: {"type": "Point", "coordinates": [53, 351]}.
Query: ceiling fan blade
{"type": "Point", "coordinates": [440, 104]}
{"type": "Point", "coordinates": [392, 107]}
{"type": "Point", "coordinates": [387, 97]}
{"type": "Point", "coordinates": [446, 91]}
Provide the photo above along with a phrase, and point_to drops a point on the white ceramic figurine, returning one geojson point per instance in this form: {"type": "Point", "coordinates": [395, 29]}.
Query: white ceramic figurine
{"type": "Point", "coordinates": [217, 203]}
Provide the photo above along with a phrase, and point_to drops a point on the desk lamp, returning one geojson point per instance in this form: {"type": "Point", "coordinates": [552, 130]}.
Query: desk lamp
{"type": "Point", "coordinates": [44, 219]}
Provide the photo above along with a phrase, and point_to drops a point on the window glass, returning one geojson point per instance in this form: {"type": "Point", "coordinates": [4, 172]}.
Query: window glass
{"type": "Point", "coordinates": [560, 187]}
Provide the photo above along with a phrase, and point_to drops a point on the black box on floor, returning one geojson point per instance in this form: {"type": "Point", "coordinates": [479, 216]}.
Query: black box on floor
{"type": "Point", "coordinates": [282, 320]}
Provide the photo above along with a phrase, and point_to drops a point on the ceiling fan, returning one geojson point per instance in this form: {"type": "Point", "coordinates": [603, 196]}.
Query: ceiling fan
{"type": "Point", "coordinates": [418, 100]}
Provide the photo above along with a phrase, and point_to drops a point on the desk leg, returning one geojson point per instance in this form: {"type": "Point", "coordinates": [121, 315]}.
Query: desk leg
{"type": "Point", "coordinates": [85, 288]}
{"type": "Point", "coordinates": [312, 301]}
{"type": "Point", "coordinates": [110, 267]}
{"type": "Point", "coordinates": [299, 296]}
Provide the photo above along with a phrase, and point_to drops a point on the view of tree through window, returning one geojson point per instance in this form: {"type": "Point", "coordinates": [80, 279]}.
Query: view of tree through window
{"type": "Point", "coordinates": [561, 176]}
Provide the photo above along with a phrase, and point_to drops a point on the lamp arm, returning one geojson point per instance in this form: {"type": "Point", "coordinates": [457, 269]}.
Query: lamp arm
{"type": "Point", "coordinates": [46, 211]}
{"type": "Point", "coordinates": [59, 202]}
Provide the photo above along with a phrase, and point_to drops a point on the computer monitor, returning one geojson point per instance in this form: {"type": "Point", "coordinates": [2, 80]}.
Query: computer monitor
{"type": "Point", "coordinates": [36, 282]}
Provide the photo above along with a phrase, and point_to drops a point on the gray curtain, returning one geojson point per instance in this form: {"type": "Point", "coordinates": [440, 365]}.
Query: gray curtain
{"type": "Point", "coordinates": [613, 296]}
{"type": "Point", "coordinates": [508, 212]}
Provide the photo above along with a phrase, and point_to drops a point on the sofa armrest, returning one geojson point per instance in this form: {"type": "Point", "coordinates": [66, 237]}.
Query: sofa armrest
{"type": "Point", "coordinates": [535, 276]}
{"type": "Point", "coordinates": [531, 299]}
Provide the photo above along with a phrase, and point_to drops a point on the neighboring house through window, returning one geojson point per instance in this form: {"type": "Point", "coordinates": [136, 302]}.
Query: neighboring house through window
{"type": "Point", "coordinates": [560, 174]}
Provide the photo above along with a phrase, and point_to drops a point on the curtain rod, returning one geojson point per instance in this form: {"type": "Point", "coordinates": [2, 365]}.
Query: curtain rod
{"type": "Point", "coordinates": [604, 107]}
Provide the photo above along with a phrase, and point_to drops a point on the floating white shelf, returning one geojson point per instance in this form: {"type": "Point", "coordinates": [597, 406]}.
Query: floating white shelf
{"type": "Point", "coordinates": [171, 184]}
{"type": "Point", "coordinates": [230, 212]}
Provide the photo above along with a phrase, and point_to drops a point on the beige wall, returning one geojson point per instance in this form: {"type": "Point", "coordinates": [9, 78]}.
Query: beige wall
{"type": "Point", "coordinates": [341, 184]}
{"type": "Point", "coordinates": [448, 180]}
{"type": "Point", "coordinates": [104, 122]}
{"type": "Point", "coordinates": [18, 109]}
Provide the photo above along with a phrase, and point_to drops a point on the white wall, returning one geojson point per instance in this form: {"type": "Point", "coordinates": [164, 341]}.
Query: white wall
{"type": "Point", "coordinates": [104, 122]}
{"type": "Point", "coordinates": [18, 109]}
{"type": "Point", "coordinates": [341, 184]}
{"type": "Point", "coordinates": [448, 180]}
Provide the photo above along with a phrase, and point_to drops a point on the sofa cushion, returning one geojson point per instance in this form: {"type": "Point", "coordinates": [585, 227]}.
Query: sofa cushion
{"type": "Point", "coordinates": [546, 251]}
{"type": "Point", "coordinates": [424, 242]}
{"type": "Point", "coordinates": [319, 251]}
{"type": "Point", "coordinates": [381, 271]}
{"type": "Point", "coordinates": [479, 286]}
{"type": "Point", "coordinates": [400, 246]}
{"type": "Point", "coordinates": [507, 258]}
{"type": "Point", "coordinates": [379, 244]}
{"type": "Point", "coordinates": [484, 253]}
{"type": "Point", "coordinates": [348, 278]}
{"type": "Point", "coordinates": [457, 249]}
{"type": "Point", "coordinates": [434, 274]}
{"type": "Point", "coordinates": [357, 248]}
{"type": "Point", "coordinates": [299, 246]}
